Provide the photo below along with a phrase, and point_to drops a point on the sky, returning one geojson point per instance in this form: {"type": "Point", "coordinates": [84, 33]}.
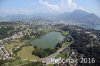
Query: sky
{"type": "Point", "coordinates": [28, 7]}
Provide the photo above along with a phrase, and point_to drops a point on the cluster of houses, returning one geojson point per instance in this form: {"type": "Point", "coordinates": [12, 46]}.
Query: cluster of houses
{"type": "Point", "coordinates": [3, 52]}
{"type": "Point", "coordinates": [21, 29]}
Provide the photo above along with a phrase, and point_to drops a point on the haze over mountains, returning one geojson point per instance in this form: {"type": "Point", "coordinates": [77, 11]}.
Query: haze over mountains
{"type": "Point", "coordinates": [80, 16]}
{"type": "Point", "coordinates": [77, 16]}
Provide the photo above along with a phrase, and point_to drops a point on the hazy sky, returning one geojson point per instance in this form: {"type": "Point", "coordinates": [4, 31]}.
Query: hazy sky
{"type": "Point", "coordinates": [48, 6]}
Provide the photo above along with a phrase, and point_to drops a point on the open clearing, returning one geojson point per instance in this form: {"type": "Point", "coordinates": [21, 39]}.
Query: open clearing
{"type": "Point", "coordinates": [13, 44]}
{"type": "Point", "coordinates": [26, 53]}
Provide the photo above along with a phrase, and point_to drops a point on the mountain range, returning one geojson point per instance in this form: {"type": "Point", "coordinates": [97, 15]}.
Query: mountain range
{"type": "Point", "coordinates": [77, 16]}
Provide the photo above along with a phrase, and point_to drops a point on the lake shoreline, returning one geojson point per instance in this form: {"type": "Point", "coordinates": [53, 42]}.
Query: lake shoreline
{"type": "Point", "coordinates": [44, 36]}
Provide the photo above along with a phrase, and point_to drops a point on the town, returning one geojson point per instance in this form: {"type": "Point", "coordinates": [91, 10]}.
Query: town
{"type": "Point", "coordinates": [16, 41]}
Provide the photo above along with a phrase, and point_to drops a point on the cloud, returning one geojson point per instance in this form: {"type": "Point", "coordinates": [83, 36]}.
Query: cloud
{"type": "Point", "coordinates": [51, 7]}
{"type": "Point", "coordinates": [68, 5]}
{"type": "Point", "coordinates": [64, 6]}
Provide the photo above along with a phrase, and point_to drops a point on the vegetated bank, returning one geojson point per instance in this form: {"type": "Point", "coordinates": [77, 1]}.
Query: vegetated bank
{"type": "Point", "coordinates": [44, 52]}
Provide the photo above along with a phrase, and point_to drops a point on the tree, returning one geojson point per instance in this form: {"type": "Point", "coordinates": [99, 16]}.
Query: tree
{"type": "Point", "coordinates": [43, 52]}
{"type": "Point", "coordinates": [2, 62]}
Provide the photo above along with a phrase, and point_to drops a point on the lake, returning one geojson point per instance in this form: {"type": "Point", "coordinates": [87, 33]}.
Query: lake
{"type": "Point", "coordinates": [49, 40]}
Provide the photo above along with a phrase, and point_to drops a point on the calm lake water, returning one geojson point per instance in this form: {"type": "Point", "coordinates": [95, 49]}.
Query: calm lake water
{"type": "Point", "coordinates": [49, 40]}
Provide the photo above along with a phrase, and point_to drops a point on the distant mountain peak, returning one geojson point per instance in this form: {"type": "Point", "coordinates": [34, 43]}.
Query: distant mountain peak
{"type": "Point", "coordinates": [79, 10]}
{"type": "Point", "coordinates": [80, 16]}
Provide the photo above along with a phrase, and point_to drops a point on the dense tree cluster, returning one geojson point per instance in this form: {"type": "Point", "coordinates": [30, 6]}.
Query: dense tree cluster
{"type": "Point", "coordinates": [59, 45]}
{"type": "Point", "coordinates": [88, 45]}
{"type": "Point", "coordinates": [2, 62]}
{"type": "Point", "coordinates": [47, 51]}
{"type": "Point", "coordinates": [25, 37]}
{"type": "Point", "coordinates": [6, 32]}
{"type": "Point", "coordinates": [43, 52]}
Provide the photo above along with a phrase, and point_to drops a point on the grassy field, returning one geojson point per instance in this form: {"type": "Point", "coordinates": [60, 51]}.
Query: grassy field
{"type": "Point", "coordinates": [50, 65]}
{"type": "Point", "coordinates": [62, 55]}
{"type": "Point", "coordinates": [47, 30]}
{"type": "Point", "coordinates": [26, 53]}
{"type": "Point", "coordinates": [18, 62]}
{"type": "Point", "coordinates": [64, 44]}
{"type": "Point", "coordinates": [64, 33]}
{"type": "Point", "coordinates": [14, 44]}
